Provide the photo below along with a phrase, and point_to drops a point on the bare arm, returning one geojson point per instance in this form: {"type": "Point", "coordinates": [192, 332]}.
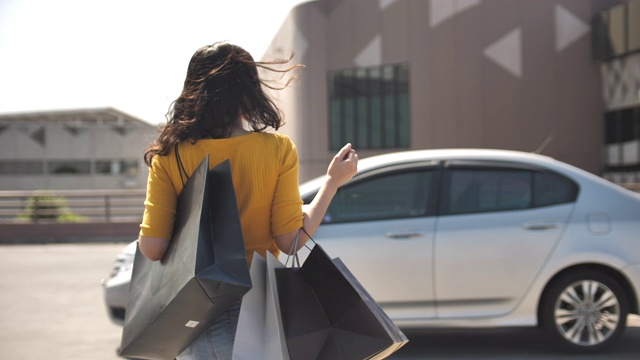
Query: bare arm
{"type": "Point", "coordinates": [342, 168]}
{"type": "Point", "coordinates": [152, 248]}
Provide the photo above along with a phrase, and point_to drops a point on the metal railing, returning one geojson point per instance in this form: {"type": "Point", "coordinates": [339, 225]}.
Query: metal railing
{"type": "Point", "coordinates": [71, 206]}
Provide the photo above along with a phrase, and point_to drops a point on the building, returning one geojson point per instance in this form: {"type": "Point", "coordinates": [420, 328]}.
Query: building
{"type": "Point", "coordinates": [616, 34]}
{"type": "Point", "coordinates": [73, 149]}
{"type": "Point", "coordinates": [393, 75]}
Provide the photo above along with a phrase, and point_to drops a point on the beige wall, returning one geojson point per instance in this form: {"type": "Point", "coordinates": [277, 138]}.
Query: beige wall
{"type": "Point", "coordinates": [93, 143]}
{"type": "Point", "coordinates": [460, 96]}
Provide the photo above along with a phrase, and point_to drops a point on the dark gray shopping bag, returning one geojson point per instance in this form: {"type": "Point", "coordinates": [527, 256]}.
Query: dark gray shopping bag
{"type": "Point", "coordinates": [204, 271]}
{"type": "Point", "coordinates": [259, 334]}
{"type": "Point", "coordinates": [327, 314]}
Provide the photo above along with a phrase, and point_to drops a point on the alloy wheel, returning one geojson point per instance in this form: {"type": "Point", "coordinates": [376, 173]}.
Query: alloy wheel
{"type": "Point", "coordinates": [587, 313]}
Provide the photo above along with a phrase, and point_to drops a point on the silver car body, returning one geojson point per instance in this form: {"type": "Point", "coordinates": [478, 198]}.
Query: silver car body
{"type": "Point", "coordinates": [116, 286]}
{"type": "Point", "coordinates": [488, 269]}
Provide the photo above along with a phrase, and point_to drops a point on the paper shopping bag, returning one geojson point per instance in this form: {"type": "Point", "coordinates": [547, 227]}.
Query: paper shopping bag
{"type": "Point", "coordinates": [326, 314]}
{"type": "Point", "coordinates": [259, 334]}
{"type": "Point", "coordinates": [204, 271]}
{"type": "Point", "coordinates": [397, 336]}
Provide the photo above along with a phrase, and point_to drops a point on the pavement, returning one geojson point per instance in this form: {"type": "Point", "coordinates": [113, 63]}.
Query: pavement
{"type": "Point", "coordinates": [53, 308]}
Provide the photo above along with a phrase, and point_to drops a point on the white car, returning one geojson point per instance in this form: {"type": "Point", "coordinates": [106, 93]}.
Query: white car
{"type": "Point", "coordinates": [485, 238]}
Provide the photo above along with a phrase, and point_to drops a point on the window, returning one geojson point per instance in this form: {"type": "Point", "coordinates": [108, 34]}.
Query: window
{"type": "Point", "coordinates": [633, 25]}
{"type": "Point", "coordinates": [21, 167]}
{"type": "Point", "coordinates": [622, 139]}
{"type": "Point", "coordinates": [397, 195]}
{"type": "Point", "coordinates": [62, 167]}
{"type": "Point", "coordinates": [369, 107]}
{"type": "Point", "coordinates": [485, 190]}
{"type": "Point", "coordinates": [616, 31]}
{"type": "Point", "coordinates": [117, 167]}
{"type": "Point", "coordinates": [473, 190]}
{"type": "Point", "coordinates": [552, 189]}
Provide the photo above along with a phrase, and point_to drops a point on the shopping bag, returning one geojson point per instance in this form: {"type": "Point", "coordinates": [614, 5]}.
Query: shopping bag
{"type": "Point", "coordinates": [398, 338]}
{"type": "Point", "coordinates": [204, 271]}
{"type": "Point", "coordinates": [326, 314]}
{"type": "Point", "coordinates": [259, 334]}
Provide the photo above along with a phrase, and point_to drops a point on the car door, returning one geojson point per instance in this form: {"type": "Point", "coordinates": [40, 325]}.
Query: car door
{"type": "Point", "coordinates": [381, 225]}
{"type": "Point", "coordinates": [498, 225]}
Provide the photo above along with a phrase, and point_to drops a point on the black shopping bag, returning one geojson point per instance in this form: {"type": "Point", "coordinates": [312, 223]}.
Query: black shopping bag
{"type": "Point", "coordinates": [398, 337]}
{"type": "Point", "coordinates": [327, 314]}
{"type": "Point", "coordinates": [204, 271]}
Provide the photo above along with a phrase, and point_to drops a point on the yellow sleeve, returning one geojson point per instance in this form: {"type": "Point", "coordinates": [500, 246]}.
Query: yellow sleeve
{"type": "Point", "coordinates": [160, 204]}
{"type": "Point", "coordinates": [287, 205]}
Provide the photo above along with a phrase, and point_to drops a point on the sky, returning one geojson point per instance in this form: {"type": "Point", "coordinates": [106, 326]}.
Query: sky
{"type": "Point", "coordinates": [128, 54]}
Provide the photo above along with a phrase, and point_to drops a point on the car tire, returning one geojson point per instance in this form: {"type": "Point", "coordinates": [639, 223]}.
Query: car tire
{"type": "Point", "coordinates": [578, 322]}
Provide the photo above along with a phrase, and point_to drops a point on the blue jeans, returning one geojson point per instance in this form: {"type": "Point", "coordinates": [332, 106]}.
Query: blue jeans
{"type": "Point", "coordinates": [216, 343]}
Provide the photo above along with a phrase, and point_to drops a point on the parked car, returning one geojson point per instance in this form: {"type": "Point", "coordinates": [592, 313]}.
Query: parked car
{"type": "Point", "coordinates": [481, 238]}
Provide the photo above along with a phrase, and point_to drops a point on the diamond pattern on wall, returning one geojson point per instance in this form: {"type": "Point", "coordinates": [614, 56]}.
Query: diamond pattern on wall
{"type": "Point", "coordinates": [383, 4]}
{"type": "Point", "coordinates": [38, 136]}
{"type": "Point", "coordinates": [507, 52]}
{"type": "Point", "coordinates": [371, 55]}
{"type": "Point", "coordinates": [442, 10]}
{"type": "Point", "coordinates": [621, 82]}
{"type": "Point", "coordinates": [569, 28]}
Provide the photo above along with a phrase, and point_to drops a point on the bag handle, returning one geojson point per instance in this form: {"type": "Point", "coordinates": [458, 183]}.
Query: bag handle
{"type": "Point", "coordinates": [294, 246]}
{"type": "Point", "coordinates": [181, 168]}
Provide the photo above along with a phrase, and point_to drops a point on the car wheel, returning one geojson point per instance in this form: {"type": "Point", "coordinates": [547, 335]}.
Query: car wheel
{"type": "Point", "coordinates": [585, 311]}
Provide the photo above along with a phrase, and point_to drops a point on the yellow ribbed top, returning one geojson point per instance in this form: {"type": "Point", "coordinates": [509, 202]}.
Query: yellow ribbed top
{"type": "Point", "coordinates": [264, 167]}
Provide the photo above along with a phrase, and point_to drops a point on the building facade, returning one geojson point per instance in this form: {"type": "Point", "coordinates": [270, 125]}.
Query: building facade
{"type": "Point", "coordinates": [74, 149]}
{"type": "Point", "coordinates": [392, 75]}
{"type": "Point", "coordinates": [616, 34]}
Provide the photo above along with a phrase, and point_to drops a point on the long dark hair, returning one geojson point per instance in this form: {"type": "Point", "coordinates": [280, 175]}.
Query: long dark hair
{"type": "Point", "coordinates": [222, 84]}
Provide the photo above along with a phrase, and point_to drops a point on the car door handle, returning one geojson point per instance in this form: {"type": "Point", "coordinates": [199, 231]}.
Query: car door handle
{"type": "Point", "coordinates": [540, 226]}
{"type": "Point", "coordinates": [404, 235]}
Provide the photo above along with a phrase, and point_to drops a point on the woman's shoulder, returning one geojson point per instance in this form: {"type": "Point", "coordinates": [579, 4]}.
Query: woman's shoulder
{"type": "Point", "coordinates": [276, 139]}
{"type": "Point", "coordinates": [273, 136]}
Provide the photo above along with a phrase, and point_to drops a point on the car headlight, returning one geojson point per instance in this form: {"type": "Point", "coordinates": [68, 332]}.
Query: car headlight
{"type": "Point", "coordinates": [124, 260]}
{"type": "Point", "coordinates": [123, 263]}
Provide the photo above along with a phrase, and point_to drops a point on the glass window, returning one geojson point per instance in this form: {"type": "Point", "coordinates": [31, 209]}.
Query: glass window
{"type": "Point", "coordinates": [622, 139]}
{"type": "Point", "coordinates": [483, 190]}
{"type": "Point", "coordinates": [369, 107]}
{"type": "Point", "coordinates": [69, 167]}
{"type": "Point", "coordinates": [103, 167]}
{"type": "Point", "coordinates": [617, 29]}
{"type": "Point", "coordinates": [552, 189]}
{"type": "Point", "coordinates": [129, 167]}
{"type": "Point", "coordinates": [480, 190]}
{"type": "Point", "coordinates": [21, 167]}
{"type": "Point", "coordinates": [117, 167]}
{"type": "Point", "coordinates": [612, 127]}
{"type": "Point", "coordinates": [600, 39]}
{"type": "Point", "coordinates": [627, 125]}
{"type": "Point", "coordinates": [633, 26]}
{"type": "Point", "coordinates": [398, 195]}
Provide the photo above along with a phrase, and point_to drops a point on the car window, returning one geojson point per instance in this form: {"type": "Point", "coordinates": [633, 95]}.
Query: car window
{"type": "Point", "coordinates": [552, 189]}
{"type": "Point", "coordinates": [397, 195]}
{"type": "Point", "coordinates": [474, 190]}
{"type": "Point", "coordinates": [482, 190]}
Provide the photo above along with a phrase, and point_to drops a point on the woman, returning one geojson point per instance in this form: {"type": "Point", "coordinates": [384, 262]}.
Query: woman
{"type": "Point", "coordinates": [223, 92]}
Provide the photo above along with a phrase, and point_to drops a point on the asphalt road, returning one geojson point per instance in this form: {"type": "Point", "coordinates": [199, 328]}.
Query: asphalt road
{"type": "Point", "coordinates": [52, 308]}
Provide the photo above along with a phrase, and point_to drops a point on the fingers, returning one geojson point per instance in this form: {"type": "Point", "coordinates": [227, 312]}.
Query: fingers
{"type": "Point", "coordinates": [343, 166]}
{"type": "Point", "coordinates": [352, 155]}
{"type": "Point", "coordinates": [344, 151]}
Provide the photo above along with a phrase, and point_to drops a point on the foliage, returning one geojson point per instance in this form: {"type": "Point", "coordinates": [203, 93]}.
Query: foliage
{"type": "Point", "coordinates": [48, 207]}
